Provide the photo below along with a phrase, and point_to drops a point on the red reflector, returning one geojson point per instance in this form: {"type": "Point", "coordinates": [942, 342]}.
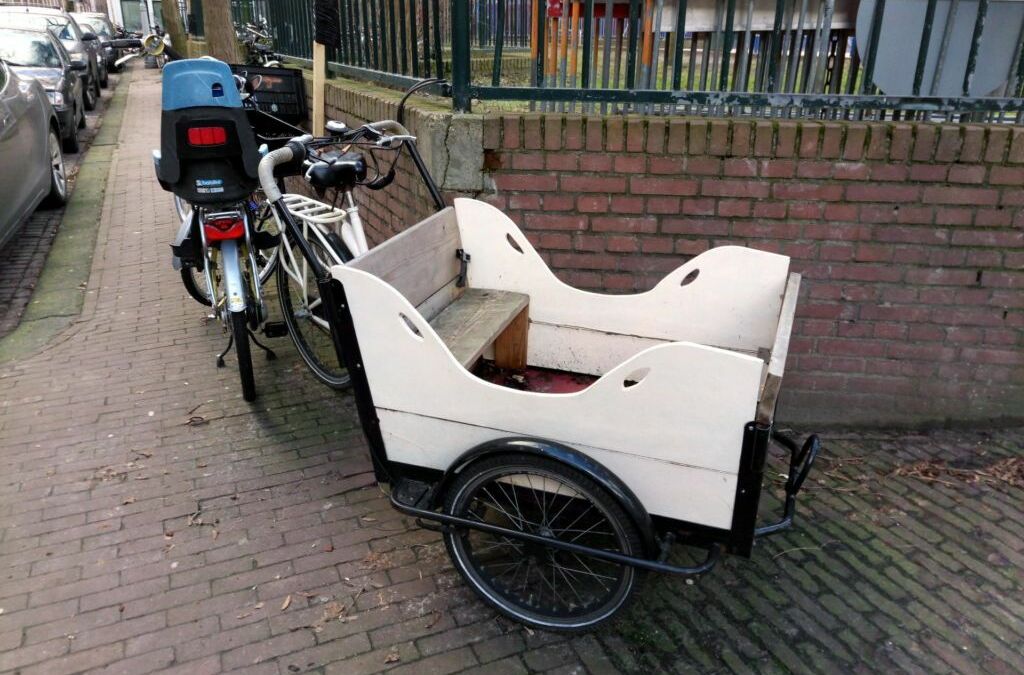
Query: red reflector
{"type": "Point", "coordinates": [207, 136]}
{"type": "Point", "coordinates": [224, 228]}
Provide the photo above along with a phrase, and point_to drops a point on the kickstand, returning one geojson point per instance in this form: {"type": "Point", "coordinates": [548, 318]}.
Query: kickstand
{"type": "Point", "coordinates": [270, 352]}
{"type": "Point", "coordinates": [220, 357]}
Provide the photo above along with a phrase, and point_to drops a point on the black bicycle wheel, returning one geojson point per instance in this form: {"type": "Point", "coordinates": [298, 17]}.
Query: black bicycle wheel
{"type": "Point", "coordinates": [194, 281]}
{"type": "Point", "coordinates": [240, 332]}
{"type": "Point", "coordinates": [531, 583]}
{"type": "Point", "coordinates": [306, 316]}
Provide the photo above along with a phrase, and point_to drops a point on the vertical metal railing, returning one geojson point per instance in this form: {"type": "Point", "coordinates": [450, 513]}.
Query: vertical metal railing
{"type": "Point", "coordinates": [777, 58]}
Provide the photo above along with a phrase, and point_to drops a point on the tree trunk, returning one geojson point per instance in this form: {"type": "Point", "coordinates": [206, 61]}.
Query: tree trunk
{"type": "Point", "coordinates": [173, 24]}
{"type": "Point", "coordinates": [220, 31]}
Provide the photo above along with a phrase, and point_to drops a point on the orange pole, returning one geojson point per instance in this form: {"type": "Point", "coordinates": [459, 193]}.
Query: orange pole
{"type": "Point", "coordinates": [647, 56]}
{"type": "Point", "coordinates": [574, 38]}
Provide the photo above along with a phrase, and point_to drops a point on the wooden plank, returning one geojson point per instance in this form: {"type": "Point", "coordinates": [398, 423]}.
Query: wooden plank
{"type": "Point", "coordinates": [474, 321]}
{"type": "Point", "coordinates": [319, 84]}
{"type": "Point", "coordinates": [777, 363]}
{"type": "Point", "coordinates": [510, 346]}
{"type": "Point", "coordinates": [419, 261]}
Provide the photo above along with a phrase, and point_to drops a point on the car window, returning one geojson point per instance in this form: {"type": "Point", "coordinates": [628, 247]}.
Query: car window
{"type": "Point", "coordinates": [28, 49]}
{"type": "Point", "coordinates": [58, 25]}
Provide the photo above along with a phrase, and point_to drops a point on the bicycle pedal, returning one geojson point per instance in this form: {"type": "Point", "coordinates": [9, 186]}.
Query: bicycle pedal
{"type": "Point", "coordinates": [274, 329]}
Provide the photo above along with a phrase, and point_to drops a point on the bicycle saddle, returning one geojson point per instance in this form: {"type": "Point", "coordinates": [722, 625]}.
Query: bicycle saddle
{"type": "Point", "coordinates": [342, 170]}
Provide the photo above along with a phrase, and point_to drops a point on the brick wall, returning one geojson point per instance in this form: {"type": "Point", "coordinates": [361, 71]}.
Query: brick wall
{"type": "Point", "coordinates": [910, 237]}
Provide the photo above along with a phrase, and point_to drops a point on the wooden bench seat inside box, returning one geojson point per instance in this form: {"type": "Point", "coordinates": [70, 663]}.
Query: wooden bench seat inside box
{"type": "Point", "coordinates": [421, 264]}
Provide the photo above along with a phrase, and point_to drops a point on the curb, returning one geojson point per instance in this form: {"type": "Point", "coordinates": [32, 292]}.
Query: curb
{"type": "Point", "coordinates": [59, 294]}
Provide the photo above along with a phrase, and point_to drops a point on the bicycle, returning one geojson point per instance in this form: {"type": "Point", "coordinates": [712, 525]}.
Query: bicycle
{"type": "Point", "coordinates": [331, 235]}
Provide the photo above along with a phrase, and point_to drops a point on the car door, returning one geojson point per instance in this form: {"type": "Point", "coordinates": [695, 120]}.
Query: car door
{"type": "Point", "coordinates": [24, 136]}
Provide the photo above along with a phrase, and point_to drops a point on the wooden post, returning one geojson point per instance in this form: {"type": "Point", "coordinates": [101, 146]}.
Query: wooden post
{"type": "Point", "coordinates": [319, 83]}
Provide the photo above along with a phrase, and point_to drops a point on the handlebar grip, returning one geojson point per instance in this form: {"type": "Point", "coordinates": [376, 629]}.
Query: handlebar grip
{"type": "Point", "coordinates": [295, 148]}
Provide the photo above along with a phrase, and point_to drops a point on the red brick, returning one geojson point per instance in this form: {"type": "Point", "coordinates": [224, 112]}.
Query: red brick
{"type": "Point", "coordinates": [657, 132]}
{"type": "Point", "coordinates": [878, 142]}
{"type": "Point", "coordinates": [742, 131]}
{"type": "Point", "coordinates": [953, 216]}
{"type": "Point", "coordinates": [810, 132]}
{"type": "Point", "coordinates": [624, 224]}
{"type": "Point", "coordinates": [940, 276]}
{"type": "Point", "coordinates": [522, 181]}
{"type": "Point", "coordinates": [524, 201]}
{"type": "Point", "coordinates": [559, 202]}
{"type": "Point", "coordinates": [915, 215]}
{"type": "Point", "coordinates": [1016, 155]}
{"type": "Point", "coordinates": [967, 173]}
{"type": "Point", "coordinates": [700, 226]}
{"type": "Point", "coordinates": [856, 138]}
{"type": "Point", "coordinates": [733, 188]}
{"type": "Point", "coordinates": [805, 210]}
{"type": "Point", "coordinates": [718, 143]}
{"type": "Point", "coordinates": [929, 172]}
{"type": "Point", "coordinates": [677, 132]}
{"type": "Point", "coordinates": [842, 212]}
{"type": "Point", "coordinates": [851, 171]}
{"type": "Point", "coordinates": [831, 143]}
{"type": "Point", "coordinates": [540, 221]}
{"type": "Point", "coordinates": [974, 143]}
{"type": "Point", "coordinates": [533, 138]}
{"type": "Point", "coordinates": [1007, 175]}
{"type": "Point", "coordinates": [629, 163]}
{"type": "Point", "coordinates": [574, 138]}
{"type": "Point", "coordinates": [773, 210]}
{"type": "Point", "coordinates": [698, 133]}
{"type": "Point", "coordinates": [996, 143]}
{"type": "Point", "coordinates": [671, 205]}
{"type": "Point", "coordinates": [703, 166]}
{"type": "Point", "coordinates": [893, 173]}
{"type": "Point", "coordinates": [767, 230]}
{"type": "Point", "coordinates": [665, 165]}
{"type": "Point", "coordinates": [528, 161]}
{"type": "Point", "coordinates": [636, 130]}
{"type": "Point", "coordinates": [733, 208]}
{"type": "Point", "coordinates": [595, 135]}
{"type": "Point", "coordinates": [960, 195]}
{"type": "Point", "coordinates": [645, 185]}
{"type": "Point", "coordinates": [924, 142]}
{"type": "Point", "coordinates": [740, 167]}
{"type": "Point", "coordinates": [561, 161]}
{"type": "Point", "coordinates": [698, 207]}
{"type": "Point", "coordinates": [554, 240]}
{"type": "Point", "coordinates": [763, 138]}
{"type": "Point", "coordinates": [949, 144]}
{"type": "Point", "coordinates": [627, 204]}
{"type": "Point", "coordinates": [785, 145]}
{"type": "Point", "coordinates": [622, 244]}
{"type": "Point", "coordinates": [880, 192]}
{"type": "Point", "coordinates": [615, 134]}
{"type": "Point", "coordinates": [901, 141]}
{"type": "Point", "coordinates": [511, 138]}
{"type": "Point", "coordinates": [805, 191]}
{"type": "Point", "coordinates": [606, 184]}
{"type": "Point", "coordinates": [584, 261]}
{"type": "Point", "coordinates": [912, 235]}
{"type": "Point", "coordinates": [596, 162]}
{"type": "Point", "coordinates": [778, 168]}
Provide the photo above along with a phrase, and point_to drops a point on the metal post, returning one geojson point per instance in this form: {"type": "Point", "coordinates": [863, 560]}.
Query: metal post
{"type": "Point", "coordinates": [677, 59]}
{"type": "Point", "coordinates": [499, 37]}
{"type": "Point", "coordinates": [922, 52]}
{"type": "Point", "coordinates": [460, 56]}
{"type": "Point", "coordinates": [972, 57]}
{"type": "Point", "coordinates": [869, 61]}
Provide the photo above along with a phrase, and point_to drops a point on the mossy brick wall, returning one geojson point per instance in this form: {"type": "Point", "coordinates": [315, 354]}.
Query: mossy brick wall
{"type": "Point", "coordinates": [910, 237]}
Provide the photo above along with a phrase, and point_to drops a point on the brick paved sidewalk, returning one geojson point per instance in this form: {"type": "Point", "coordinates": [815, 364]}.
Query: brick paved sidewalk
{"type": "Point", "coordinates": [132, 542]}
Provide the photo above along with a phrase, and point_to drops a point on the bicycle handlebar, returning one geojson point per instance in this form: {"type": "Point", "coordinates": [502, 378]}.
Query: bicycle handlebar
{"type": "Point", "coordinates": [293, 149]}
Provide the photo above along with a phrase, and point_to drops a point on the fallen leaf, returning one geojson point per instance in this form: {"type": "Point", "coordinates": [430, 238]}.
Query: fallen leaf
{"type": "Point", "coordinates": [393, 656]}
{"type": "Point", "coordinates": [306, 595]}
{"type": "Point", "coordinates": [286, 603]}
{"type": "Point", "coordinates": [214, 533]}
{"type": "Point", "coordinates": [128, 500]}
{"type": "Point", "coordinates": [328, 548]}
{"type": "Point", "coordinates": [258, 605]}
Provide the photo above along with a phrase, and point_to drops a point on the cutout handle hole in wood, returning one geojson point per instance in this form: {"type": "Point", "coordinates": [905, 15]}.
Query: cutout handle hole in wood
{"type": "Point", "coordinates": [690, 278]}
{"type": "Point", "coordinates": [635, 377]}
{"type": "Point", "coordinates": [410, 326]}
{"type": "Point", "coordinates": [513, 243]}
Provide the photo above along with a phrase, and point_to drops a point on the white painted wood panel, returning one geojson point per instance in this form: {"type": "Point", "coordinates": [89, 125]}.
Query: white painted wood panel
{"type": "Point", "coordinates": [665, 489]}
{"type": "Point", "coordinates": [733, 302]}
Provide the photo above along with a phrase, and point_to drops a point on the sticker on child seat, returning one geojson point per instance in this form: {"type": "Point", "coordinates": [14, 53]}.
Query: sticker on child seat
{"type": "Point", "coordinates": [209, 185]}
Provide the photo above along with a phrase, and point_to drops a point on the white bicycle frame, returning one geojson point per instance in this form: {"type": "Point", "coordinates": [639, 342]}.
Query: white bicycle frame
{"type": "Point", "coordinates": [319, 220]}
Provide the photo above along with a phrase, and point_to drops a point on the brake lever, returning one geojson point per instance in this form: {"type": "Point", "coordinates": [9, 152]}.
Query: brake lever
{"type": "Point", "coordinates": [382, 182]}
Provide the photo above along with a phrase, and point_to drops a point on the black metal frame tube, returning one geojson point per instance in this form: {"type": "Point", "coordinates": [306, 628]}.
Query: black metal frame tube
{"type": "Point", "coordinates": [652, 565]}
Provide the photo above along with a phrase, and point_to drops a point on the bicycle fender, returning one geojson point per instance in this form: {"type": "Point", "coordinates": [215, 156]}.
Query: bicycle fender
{"type": "Point", "coordinates": [233, 281]}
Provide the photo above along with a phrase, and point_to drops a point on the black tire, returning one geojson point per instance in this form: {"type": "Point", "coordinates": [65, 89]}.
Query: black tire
{"type": "Point", "coordinates": [71, 143]}
{"type": "Point", "coordinates": [105, 79]}
{"type": "Point", "coordinates": [58, 194]}
{"type": "Point", "coordinates": [240, 331]}
{"type": "Point", "coordinates": [194, 281]}
{"type": "Point", "coordinates": [501, 491]}
{"type": "Point", "coordinates": [81, 113]}
{"type": "Point", "coordinates": [90, 94]}
{"type": "Point", "coordinates": [313, 342]}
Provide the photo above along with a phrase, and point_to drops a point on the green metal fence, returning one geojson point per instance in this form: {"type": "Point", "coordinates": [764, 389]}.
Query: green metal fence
{"type": "Point", "coordinates": [878, 59]}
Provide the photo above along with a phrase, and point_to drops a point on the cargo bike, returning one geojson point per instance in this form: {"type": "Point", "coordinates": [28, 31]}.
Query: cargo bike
{"type": "Point", "coordinates": [563, 441]}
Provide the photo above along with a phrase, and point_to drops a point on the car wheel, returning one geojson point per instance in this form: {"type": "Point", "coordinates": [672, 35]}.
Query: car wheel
{"type": "Point", "coordinates": [58, 195]}
{"type": "Point", "coordinates": [80, 120]}
{"type": "Point", "coordinates": [90, 94]}
{"type": "Point", "coordinates": [104, 79]}
{"type": "Point", "coordinates": [71, 144]}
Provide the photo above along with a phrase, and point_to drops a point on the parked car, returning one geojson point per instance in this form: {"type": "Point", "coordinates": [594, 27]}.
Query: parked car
{"type": "Point", "coordinates": [32, 169]}
{"type": "Point", "coordinates": [83, 47]}
{"type": "Point", "coordinates": [40, 56]}
{"type": "Point", "coordinates": [99, 23]}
